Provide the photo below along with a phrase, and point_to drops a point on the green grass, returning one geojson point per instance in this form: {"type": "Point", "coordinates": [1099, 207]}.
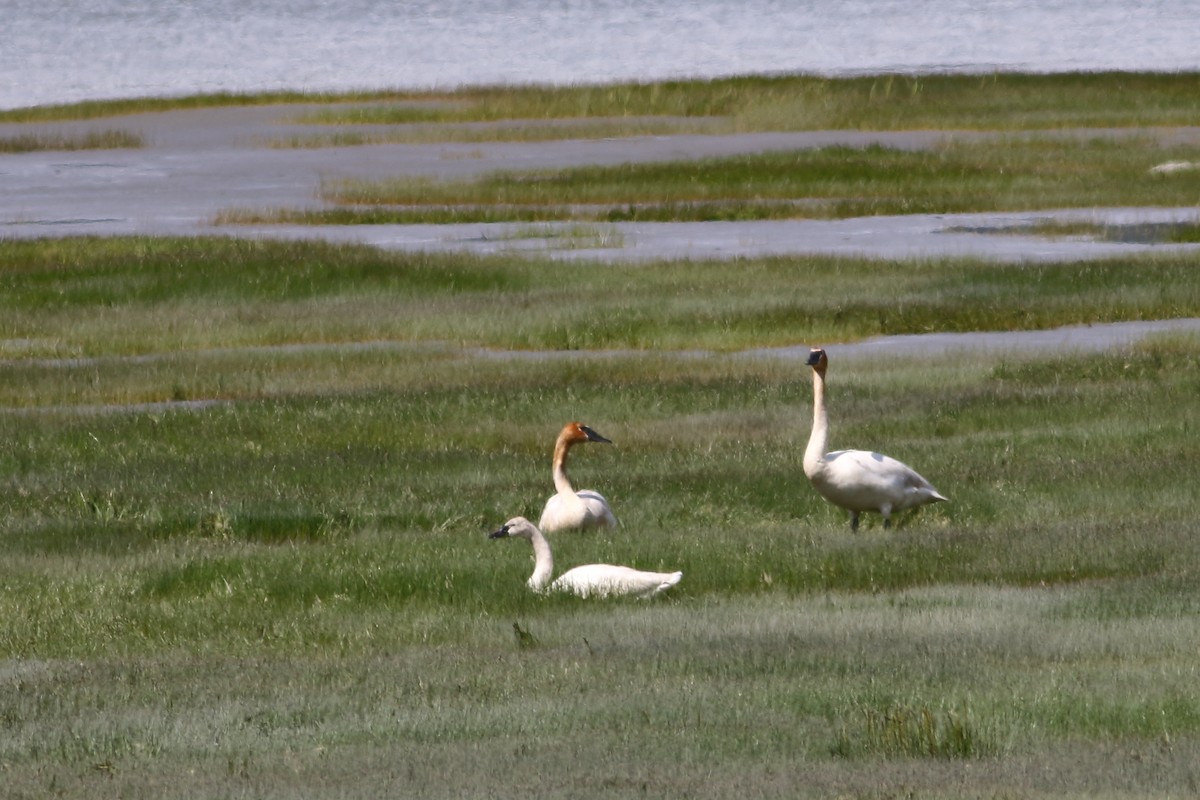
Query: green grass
{"type": "Point", "coordinates": [833, 182]}
{"type": "Point", "coordinates": [91, 140]}
{"type": "Point", "coordinates": [290, 592]}
{"type": "Point", "coordinates": [99, 109]}
{"type": "Point", "coordinates": [792, 102]}
{"type": "Point", "coordinates": [510, 131]}
{"type": "Point", "coordinates": [1153, 233]}
{"type": "Point", "coordinates": [246, 488]}
{"type": "Point", "coordinates": [86, 298]}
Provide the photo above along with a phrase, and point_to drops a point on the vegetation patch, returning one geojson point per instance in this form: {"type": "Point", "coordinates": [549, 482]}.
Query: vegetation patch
{"type": "Point", "coordinates": [509, 131]}
{"type": "Point", "coordinates": [900, 732]}
{"type": "Point", "coordinates": [1134, 233]}
{"type": "Point", "coordinates": [833, 182]}
{"type": "Point", "coordinates": [998, 101]}
{"type": "Point", "coordinates": [246, 487]}
{"type": "Point", "coordinates": [213, 301]}
{"type": "Point", "coordinates": [90, 140]}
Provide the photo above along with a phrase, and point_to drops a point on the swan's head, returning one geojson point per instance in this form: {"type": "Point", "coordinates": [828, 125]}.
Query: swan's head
{"type": "Point", "coordinates": [818, 360]}
{"type": "Point", "coordinates": [517, 527]}
{"type": "Point", "coordinates": [574, 432]}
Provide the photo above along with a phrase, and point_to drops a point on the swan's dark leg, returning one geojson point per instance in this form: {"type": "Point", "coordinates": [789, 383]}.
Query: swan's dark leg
{"type": "Point", "coordinates": [854, 521]}
{"type": "Point", "coordinates": [887, 522]}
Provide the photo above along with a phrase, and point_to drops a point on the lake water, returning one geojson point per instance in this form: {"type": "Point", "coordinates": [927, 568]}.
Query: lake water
{"type": "Point", "coordinates": [55, 51]}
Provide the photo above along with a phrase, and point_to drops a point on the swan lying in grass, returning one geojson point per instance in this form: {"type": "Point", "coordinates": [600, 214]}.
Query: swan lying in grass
{"type": "Point", "coordinates": [569, 509]}
{"type": "Point", "coordinates": [858, 480]}
{"type": "Point", "coordinates": [592, 580]}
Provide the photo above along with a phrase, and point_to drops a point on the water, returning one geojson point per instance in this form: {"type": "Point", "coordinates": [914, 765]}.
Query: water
{"type": "Point", "coordinates": [54, 51]}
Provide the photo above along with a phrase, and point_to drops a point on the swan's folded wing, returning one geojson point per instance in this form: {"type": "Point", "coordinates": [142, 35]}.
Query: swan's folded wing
{"type": "Point", "coordinates": [562, 512]}
{"type": "Point", "coordinates": [607, 580]}
{"type": "Point", "coordinates": [866, 468]}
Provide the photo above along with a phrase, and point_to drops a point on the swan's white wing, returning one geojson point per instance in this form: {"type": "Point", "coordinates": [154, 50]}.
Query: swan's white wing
{"type": "Point", "coordinates": [606, 580]}
{"type": "Point", "coordinates": [587, 509]}
{"type": "Point", "coordinates": [559, 515]}
{"type": "Point", "coordinates": [599, 514]}
{"type": "Point", "coordinates": [865, 481]}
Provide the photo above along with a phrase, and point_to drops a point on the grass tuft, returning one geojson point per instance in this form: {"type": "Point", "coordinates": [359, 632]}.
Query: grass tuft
{"type": "Point", "coordinates": [905, 732]}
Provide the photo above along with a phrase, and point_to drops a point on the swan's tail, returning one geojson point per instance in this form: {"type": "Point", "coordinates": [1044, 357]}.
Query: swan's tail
{"type": "Point", "coordinates": [668, 580]}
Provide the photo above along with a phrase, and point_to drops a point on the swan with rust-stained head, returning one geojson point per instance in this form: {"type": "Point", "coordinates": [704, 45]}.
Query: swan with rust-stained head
{"type": "Point", "coordinates": [592, 580]}
{"type": "Point", "coordinates": [858, 480]}
{"type": "Point", "coordinates": [569, 509]}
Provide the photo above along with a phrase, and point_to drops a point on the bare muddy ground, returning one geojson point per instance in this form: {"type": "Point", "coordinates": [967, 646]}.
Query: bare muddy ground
{"type": "Point", "coordinates": [197, 163]}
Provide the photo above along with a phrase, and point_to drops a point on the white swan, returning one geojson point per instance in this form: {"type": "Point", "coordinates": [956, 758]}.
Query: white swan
{"type": "Point", "coordinates": [569, 509]}
{"type": "Point", "coordinates": [858, 480]}
{"type": "Point", "coordinates": [592, 580]}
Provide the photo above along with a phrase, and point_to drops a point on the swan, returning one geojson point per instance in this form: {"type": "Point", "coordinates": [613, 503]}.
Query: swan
{"type": "Point", "coordinates": [858, 480]}
{"type": "Point", "coordinates": [569, 509]}
{"type": "Point", "coordinates": [592, 580]}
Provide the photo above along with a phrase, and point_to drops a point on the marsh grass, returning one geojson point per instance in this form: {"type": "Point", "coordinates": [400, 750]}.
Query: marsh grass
{"type": "Point", "coordinates": [89, 140]}
{"type": "Point", "coordinates": [1152, 233]}
{"type": "Point", "coordinates": [291, 592]}
{"type": "Point", "coordinates": [911, 732]}
{"type": "Point", "coordinates": [832, 182]}
{"type": "Point", "coordinates": [874, 102]}
{"type": "Point", "coordinates": [98, 109]}
{"type": "Point", "coordinates": [577, 237]}
{"type": "Point", "coordinates": [998, 101]}
{"type": "Point", "coordinates": [84, 298]}
{"type": "Point", "coordinates": [510, 131]}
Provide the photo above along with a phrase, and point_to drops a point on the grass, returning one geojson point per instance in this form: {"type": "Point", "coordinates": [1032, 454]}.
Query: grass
{"type": "Point", "coordinates": [290, 592]}
{"type": "Point", "coordinates": [100, 298]}
{"type": "Point", "coordinates": [90, 140]}
{"type": "Point", "coordinates": [514, 131]}
{"type": "Point", "coordinates": [246, 487]}
{"type": "Point", "coordinates": [997, 101]}
{"type": "Point", "coordinates": [578, 237]}
{"type": "Point", "coordinates": [1154, 233]}
{"type": "Point", "coordinates": [832, 182]}
{"type": "Point", "coordinates": [100, 109]}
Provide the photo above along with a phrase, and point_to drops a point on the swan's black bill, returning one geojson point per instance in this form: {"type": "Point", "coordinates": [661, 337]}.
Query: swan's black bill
{"type": "Point", "coordinates": [815, 357]}
{"type": "Point", "coordinates": [499, 534]}
{"type": "Point", "coordinates": [593, 436]}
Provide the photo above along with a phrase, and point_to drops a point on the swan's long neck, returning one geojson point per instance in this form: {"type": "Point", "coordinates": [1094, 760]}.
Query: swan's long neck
{"type": "Point", "coordinates": [818, 441]}
{"type": "Point", "coordinates": [562, 484]}
{"type": "Point", "coordinates": [543, 562]}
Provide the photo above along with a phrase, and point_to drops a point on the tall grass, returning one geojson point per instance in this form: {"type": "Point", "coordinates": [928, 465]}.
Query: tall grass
{"type": "Point", "coordinates": [291, 592]}
{"type": "Point", "coordinates": [90, 140]}
{"type": "Point", "coordinates": [833, 182]}
{"type": "Point", "coordinates": [995, 101]}
{"type": "Point", "coordinates": [84, 298]}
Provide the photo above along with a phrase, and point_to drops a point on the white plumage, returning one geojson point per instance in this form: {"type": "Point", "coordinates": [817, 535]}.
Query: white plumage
{"type": "Point", "coordinates": [591, 580]}
{"type": "Point", "coordinates": [858, 480]}
{"type": "Point", "coordinates": [569, 509]}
